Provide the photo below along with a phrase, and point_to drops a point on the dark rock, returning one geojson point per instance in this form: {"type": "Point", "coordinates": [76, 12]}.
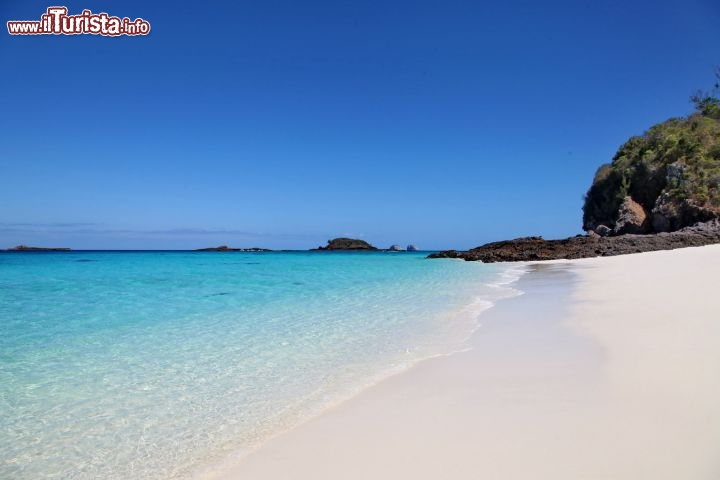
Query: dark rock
{"type": "Point", "coordinates": [446, 254]}
{"type": "Point", "coordinates": [660, 222]}
{"type": "Point", "coordinates": [536, 248]}
{"type": "Point", "coordinates": [671, 213]}
{"type": "Point", "coordinates": [412, 248]}
{"type": "Point", "coordinates": [603, 230]}
{"type": "Point", "coordinates": [395, 248]}
{"type": "Point", "coordinates": [347, 244]}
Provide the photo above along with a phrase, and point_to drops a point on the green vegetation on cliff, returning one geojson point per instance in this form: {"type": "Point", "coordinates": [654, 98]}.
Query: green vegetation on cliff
{"type": "Point", "coordinates": [672, 171]}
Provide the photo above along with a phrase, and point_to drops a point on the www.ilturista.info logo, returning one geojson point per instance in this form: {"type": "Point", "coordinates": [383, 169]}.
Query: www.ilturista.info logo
{"type": "Point", "coordinates": [57, 22]}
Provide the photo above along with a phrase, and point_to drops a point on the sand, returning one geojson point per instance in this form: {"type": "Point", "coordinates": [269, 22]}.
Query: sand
{"type": "Point", "coordinates": [605, 369]}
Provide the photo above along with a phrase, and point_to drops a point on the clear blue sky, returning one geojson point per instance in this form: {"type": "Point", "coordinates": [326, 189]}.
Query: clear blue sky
{"type": "Point", "coordinates": [285, 123]}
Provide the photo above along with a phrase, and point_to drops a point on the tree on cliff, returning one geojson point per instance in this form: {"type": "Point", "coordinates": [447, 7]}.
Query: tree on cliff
{"type": "Point", "coordinates": [708, 102]}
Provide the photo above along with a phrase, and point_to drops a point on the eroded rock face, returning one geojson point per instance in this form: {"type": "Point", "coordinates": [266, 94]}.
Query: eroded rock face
{"type": "Point", "coordinates": [664, 214]}
{"type": "Point", "coordinates": [671, 214]}
{"type": "Point", "coordinates": [632, 218]}
{"type": "Point", "coordinates": [412, 248]}
{"type": "Point", "coordinates": [395, 248]}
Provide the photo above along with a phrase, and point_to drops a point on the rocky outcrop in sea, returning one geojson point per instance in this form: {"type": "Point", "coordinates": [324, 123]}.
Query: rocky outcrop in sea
{"type": "Point", "coordinates": [347, 244]}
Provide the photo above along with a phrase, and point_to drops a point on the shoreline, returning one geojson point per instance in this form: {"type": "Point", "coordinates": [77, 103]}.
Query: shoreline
{"type": "Point", "coordinates": [472, 314]}
{"type": "Point", "coordinates": [516, 279]}
{"type": "Point", "coordinates": [548, 379]}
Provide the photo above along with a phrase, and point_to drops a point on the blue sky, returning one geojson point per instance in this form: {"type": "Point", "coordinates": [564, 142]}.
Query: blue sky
{"type": "Point", "coordinates": [285, 123]}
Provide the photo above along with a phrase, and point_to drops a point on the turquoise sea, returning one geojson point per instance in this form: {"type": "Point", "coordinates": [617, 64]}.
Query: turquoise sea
{"type": "Point", "coordinates": [163, 365]}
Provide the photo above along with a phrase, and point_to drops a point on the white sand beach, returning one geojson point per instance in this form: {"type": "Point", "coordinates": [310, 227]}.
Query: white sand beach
{"type": "Point", "coordinates": [605, 368]}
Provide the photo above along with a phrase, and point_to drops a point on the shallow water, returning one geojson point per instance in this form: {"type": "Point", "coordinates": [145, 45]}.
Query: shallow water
{"type": "Point", "coordinates": [160, 364]}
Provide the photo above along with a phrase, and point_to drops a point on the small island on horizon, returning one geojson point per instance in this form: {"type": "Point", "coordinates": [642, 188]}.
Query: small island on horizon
{"type": "Point", "coordinates": [25, 248]}
{"type": "Point", "coordinates": [355, 244]}
{"type": "Point", "coordinates": [344, 243]}
{"type": "Point", "coordinates": [225, 248]}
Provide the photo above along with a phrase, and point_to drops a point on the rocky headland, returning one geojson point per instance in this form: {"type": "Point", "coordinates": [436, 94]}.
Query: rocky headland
{"type": "Point", "coordinates": [661, 191]}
